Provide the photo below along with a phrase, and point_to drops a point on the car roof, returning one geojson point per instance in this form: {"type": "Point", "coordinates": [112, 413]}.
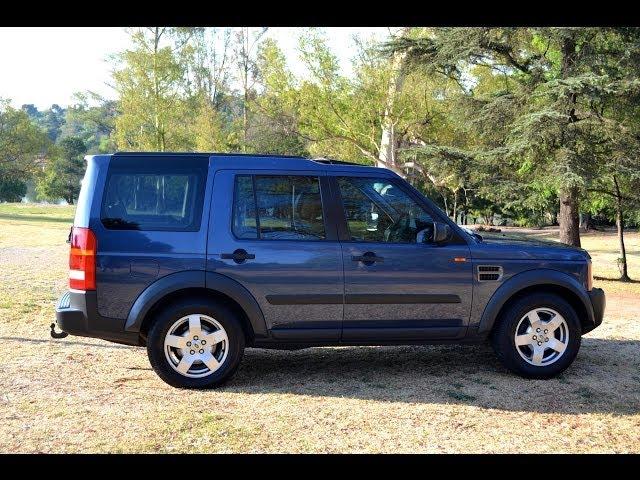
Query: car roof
{"type": "Point", "coordinates": [262, 161]}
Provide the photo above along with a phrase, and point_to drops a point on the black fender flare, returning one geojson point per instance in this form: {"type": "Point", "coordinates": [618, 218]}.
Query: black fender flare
{"type": "Point", "coordinates": [196, 279]}
{"type": "Point", "coordinates": [531, 278]}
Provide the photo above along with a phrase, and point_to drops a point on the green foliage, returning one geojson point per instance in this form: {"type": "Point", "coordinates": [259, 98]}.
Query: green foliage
{"type": "Point", "coordinates": [486, 121]}
{"type": "Point", "coordinates": [538, 102]}
{"type": "Point", "coordinates": [12, 190]}
{"type": "Point", "coordinates": [50, 120]}
{"type": "Point", "coordinates": [63, 173]}
{"type": "Point", "coordinates": [23, 146]}
{"type": "Point", "coordinates": [154, 103]}
{"type": "Point", "coordinates": [92, 119]}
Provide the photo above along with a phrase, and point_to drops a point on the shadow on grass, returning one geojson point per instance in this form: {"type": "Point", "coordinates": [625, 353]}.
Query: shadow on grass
{"type": "Point", "coordinates": [35, 218]}
{"type": "Point", "coordinates": [605, 377]}
{"type": "Point", "coordinates": [596, 277]}
{"type": "Point", "coordinates": [630, 253]}
{"type": "Point", "coordinates": [64, 342]}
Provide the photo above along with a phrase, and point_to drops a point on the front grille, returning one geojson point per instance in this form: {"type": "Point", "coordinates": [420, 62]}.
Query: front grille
{"type": "Point", "coordinates": [489, 273]}
{"type": "Point", "coordinates": [65, 301]}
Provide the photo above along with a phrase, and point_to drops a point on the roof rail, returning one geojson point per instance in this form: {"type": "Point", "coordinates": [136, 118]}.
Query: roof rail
{"type": "Point", "coordinates": [209, 154]}
{"type": "Point", "coordinates": [331, 161]}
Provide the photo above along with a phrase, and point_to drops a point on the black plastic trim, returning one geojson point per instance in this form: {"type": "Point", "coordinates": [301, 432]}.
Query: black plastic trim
{"type": "Point", "coordinates": [531, 278]}
{"type": "Point", "coordinates": [359, 299]}
{"type": "Point", "coordinates": [79, 316]}
{"type": "Point", "coordinates": [401, 298]}
{"type": "Point", "coordinates": [398, 334]}
{"type": "Point", "coordinates": [599, 303]}
{"type": "Point", "coordinates": [157, 291]}
{"type": "Point", "coordinates": [311, 299]}
{"type": "Point", "coordinates": [318, 335]}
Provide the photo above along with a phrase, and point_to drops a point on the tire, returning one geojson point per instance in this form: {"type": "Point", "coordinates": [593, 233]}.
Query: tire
{"type": "Point", "coordinates": [559, 345]}
{"type": "Point", "coordinates": [211, 359]}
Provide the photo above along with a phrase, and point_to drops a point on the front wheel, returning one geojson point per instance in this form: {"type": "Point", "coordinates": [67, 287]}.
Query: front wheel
{"type": "Point", "coordinates": [538, 336]}
{"type": "Point", "coordinates": [195, 343]}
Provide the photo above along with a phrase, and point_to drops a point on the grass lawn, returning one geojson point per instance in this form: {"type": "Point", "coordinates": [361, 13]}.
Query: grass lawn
{"type": "Point", "coordinates": [86, 395]}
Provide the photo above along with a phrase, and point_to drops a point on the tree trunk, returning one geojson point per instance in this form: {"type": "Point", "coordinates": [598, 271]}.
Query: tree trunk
{"type": "Point", "coordinates": [156, 92]}
{"type": "Point", "coordinates": [568, 218]}
{"type": "Point", "coordinates": [245, 86]}
{"type": "Point", "coordinates": [388, 141]}
{"type": "Point", "coordinates": [585, 222]}
{"type": "Point", "coordinates": [455, 206]}
{"type": "Point", "coordinates": [622, 261]}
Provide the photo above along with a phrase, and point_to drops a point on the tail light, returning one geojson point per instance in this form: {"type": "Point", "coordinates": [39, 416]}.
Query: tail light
{"type": "Point", "coordinates": [589, 276]}
{"type": "Point", "coordinates": [82, 259]}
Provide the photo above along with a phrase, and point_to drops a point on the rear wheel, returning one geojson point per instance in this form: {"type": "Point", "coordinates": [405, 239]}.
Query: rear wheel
{"type": "Point", "coordinates": [538, 336]}
{"type": "Point", "coordinates": [195, 343]}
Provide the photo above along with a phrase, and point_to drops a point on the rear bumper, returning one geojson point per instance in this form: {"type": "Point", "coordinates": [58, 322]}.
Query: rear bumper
{"type": "Point", "coordinates": [598, 302]}
{"type": "Point", "coordinates": [77, 314]}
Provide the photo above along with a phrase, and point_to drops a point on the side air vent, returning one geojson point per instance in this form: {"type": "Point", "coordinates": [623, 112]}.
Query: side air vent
{"type": "Point", "coordinates": [489, 273]}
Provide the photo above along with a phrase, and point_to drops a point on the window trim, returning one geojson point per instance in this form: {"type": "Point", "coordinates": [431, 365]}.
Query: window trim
{"type": "Point", "coordinates": [199, 196]}
{"type": "Point", "coordinates": [322, 185]}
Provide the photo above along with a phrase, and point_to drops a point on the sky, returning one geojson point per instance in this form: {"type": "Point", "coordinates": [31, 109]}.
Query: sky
{"type": "Point", "coordinates": [44, 66]}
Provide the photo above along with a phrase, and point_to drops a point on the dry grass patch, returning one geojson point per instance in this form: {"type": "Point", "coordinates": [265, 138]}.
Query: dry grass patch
{"type": "Point", "coordinates": [86, 395]}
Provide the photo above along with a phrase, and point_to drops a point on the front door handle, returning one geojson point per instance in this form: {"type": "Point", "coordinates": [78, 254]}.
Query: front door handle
{"type": "Point", "coordinates": [368, 258]}
{"type": "Point", "coordinates": [238, 256]}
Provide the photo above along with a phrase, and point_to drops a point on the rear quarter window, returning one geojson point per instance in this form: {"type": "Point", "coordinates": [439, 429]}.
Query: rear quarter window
{"type": "Point", "coordinates": [154, 193]}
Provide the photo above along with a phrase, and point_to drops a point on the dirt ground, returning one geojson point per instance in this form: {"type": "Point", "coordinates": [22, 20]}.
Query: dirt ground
{"type": "Point", "coordinates": [85, 395]}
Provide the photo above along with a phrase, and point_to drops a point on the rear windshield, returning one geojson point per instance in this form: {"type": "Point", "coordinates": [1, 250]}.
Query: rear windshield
{"type": "Point", "coordinates": [154, 193]}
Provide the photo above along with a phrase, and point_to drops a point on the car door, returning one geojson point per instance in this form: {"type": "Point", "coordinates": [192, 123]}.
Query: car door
{"type": "Point", "coordinates": [398, 287]}
{"type": "Point", "coordinates": [274, 234]}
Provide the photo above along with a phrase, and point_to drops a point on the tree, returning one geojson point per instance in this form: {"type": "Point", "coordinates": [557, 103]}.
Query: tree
{"type": "Point", "coordinates": [246, 44]}
{"type": "Point", "coordinates": [388, 142]}
{"type": "Point", "coordinates": [554, 78]}
{"type": "Point", "coordinates": [274, 124]}
{"type": "Point", "coordinates": [210, 69]}
{"type": "Point", "coordinates": [63, 173]}
{"type": "Point", "coordinates": [209, 131]}
{"type": "Point", "coordinates": [12, 190]}
{"type": "Point", "coordinates": [151, 80]}
{"type": "Point", "coordinates": [23, 146]}
{"type": "Point", "coordinates": [91, 118]}
{"type": "Point", "coordinates": [211, 64]}
{"type": "Point", "coordinates": [613, 187]}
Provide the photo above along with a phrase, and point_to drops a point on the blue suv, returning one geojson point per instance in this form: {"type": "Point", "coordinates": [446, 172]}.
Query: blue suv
{"type": "Point", "coordinates": [197, 256]}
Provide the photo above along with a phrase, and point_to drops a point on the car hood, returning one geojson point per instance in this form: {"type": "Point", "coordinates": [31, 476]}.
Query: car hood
{"type": "Point", "coordinates": [508, 247]}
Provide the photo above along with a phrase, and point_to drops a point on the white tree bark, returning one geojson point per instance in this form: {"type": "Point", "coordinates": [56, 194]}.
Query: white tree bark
{"type": "Point", "coordinates": [388, 140]}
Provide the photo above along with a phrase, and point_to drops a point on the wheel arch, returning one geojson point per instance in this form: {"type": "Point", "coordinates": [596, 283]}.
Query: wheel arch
{"type": "Point", "coordinates": [536, 281]}
{"type": "Point", "coordinates": [208, 285]}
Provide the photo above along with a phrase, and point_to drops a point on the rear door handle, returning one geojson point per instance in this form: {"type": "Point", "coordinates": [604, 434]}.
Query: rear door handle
{"type": "Point", "coordinates": [238, 256]}
{"type": "Point", "coordinates": [368, 258]}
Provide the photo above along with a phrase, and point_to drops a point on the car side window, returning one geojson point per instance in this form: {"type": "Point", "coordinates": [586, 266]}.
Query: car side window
{"type": "Point", "coordinates": [154, 194]}
{"type": "Point", "coordinates": [379, 211]}
{"type": "Point", "coordinates": [270, 207]}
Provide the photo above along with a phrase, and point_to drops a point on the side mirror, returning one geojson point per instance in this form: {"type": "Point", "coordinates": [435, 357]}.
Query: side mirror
{"type": "Point", "coordinates": [441, 232]}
